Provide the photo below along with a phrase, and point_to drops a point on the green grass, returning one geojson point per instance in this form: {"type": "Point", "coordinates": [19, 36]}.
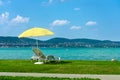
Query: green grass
{"type": "Point", "coordinates": [41, 78]}
{"type": "Point", "coordinates": [70, 67]}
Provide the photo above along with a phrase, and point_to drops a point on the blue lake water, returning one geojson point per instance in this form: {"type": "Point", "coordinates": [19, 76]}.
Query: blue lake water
{"type": "Point", "coordinates": [64, 53]}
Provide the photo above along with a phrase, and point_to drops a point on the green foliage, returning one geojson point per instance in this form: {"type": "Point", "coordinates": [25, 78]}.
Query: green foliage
{"type": "Point", "coordinates": [57, 42]}
{"type": "Point", "coordinates": [70, 67]}
{"type": "Point", "coordinates": [41, 78]}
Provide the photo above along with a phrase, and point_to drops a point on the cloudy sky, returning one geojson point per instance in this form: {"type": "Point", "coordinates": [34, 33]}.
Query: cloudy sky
{"type": "Point", "coordinates": [94, 19]}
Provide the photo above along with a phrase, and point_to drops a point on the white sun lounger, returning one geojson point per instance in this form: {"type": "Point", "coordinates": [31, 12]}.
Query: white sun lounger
{"type": "Point", "coordinates": [42, 57]}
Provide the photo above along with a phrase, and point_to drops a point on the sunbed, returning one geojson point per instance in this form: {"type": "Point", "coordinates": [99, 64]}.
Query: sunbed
{"type": "Point", "coordinates": [42, 57]}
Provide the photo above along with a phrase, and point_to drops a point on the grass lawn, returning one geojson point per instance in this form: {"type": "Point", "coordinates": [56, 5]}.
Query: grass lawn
{"type": "Point", "coordinates": [70, 67]}
{"type": "Point", "coordinates": [41, 78]}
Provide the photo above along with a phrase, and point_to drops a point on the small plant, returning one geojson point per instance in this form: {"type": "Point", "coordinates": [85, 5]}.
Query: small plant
{"type": "Point", "coordinates": [41, 78]}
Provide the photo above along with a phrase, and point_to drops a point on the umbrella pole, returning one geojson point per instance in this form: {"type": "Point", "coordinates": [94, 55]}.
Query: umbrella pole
{"type": "Point", "coordinates": [37, 43]}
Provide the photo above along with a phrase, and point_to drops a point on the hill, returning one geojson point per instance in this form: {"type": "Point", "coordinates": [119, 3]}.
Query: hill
{"type": "Point", "coordinates": [57, 42]}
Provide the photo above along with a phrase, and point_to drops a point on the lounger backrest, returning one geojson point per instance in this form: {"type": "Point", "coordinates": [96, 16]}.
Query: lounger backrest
{"type": "Point", "coordinates": [39, 53]}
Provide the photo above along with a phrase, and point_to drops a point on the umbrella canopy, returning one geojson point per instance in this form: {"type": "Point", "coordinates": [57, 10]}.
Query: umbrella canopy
{"type": "Point", "coordinates": [34, 32]}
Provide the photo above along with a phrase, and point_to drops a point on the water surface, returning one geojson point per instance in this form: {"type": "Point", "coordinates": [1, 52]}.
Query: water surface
{"type": "Point", "coordinates": [64, 53]}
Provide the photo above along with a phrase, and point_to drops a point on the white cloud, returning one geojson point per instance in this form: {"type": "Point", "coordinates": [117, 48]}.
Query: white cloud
{"type": "Point", "coordinates": [20, 19]}
{"type": "Point", "coordinates": [60, 22]}
{"type": "Point", "coordinates": [4, 18]}
{"type": "Point", "coordinates": [50, 1]}
{"type": "Point", "coordinates": [46, 3]}
{"type": "Point", "coordinates": [62, 0]}
{"type": "Point", "coordinates": [76, 9]}
{"type": "Point", "coordinates": [5, 2]}
{"type": "Point", "coordinates": [91, 23]}
{"type": "Point", "coordinates": [75, 27]}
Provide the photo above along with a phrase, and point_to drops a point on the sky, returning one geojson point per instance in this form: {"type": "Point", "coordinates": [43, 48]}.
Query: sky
{"type": "Point", "coordinates": [93, 19]}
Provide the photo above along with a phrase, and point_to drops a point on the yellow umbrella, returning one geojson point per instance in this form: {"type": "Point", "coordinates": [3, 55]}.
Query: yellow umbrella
{"type": "Point", "coordinates": [34, 32]}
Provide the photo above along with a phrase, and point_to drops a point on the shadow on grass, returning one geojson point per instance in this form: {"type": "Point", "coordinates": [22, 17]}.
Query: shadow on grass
{"type": "Point", "coordinates": [60, 62]}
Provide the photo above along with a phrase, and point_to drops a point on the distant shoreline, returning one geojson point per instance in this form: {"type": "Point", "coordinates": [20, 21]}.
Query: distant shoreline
{"type": "Point", "coordinates": [58, 43]}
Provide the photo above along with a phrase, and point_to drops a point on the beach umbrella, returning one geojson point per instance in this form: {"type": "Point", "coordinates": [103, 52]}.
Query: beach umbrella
{"type": "Point", "coordinates": [35, 32]}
